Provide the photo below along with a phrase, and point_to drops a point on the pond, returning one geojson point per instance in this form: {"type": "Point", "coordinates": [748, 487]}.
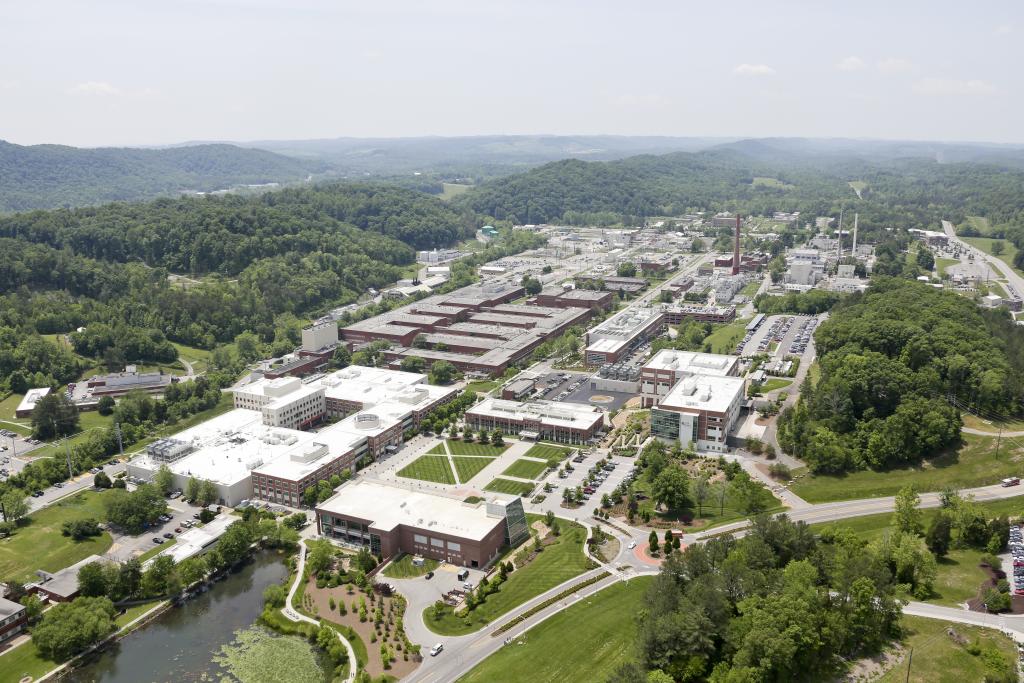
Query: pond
{"type": "Point", "coordinates": [182, 643]}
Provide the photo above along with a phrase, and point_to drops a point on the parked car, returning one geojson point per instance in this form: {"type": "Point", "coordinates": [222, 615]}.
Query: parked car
{"type": "Point", "coordinates": [436, 650]}
{"type": "Point", "coordinates": [428, 575]}
{"type": "Point", "coordinates": [157, 540]}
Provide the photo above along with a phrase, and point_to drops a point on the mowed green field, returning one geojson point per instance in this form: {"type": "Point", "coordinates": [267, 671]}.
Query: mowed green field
{"type": "Point", "coordinates": [462, 448]}
{"type": "Point", "coordinates": [724, 338]}
{"type": "Point", "coordinates": [940, 659]}
{"type": "Point", "coordinates": [1007, 256]}
{"type": "Point", "coordinates": [516, 488]}
{"type": "Point", "coordinates": [469, 467]}
{"type": "Point", "coordinates": [558, 563]}
{"type": "Point", "coordinates": [39, 543]}
{"type": "Point", "coordinates": [526, 469]}
{"type": "Point", "coordinates": [974, 463]}
{"type": "Point", "coordinates": [546, 451]}
{"type": "Point", "coordinates": [433, 468]}
{"type": "Point", "coordinates": [586, 642]}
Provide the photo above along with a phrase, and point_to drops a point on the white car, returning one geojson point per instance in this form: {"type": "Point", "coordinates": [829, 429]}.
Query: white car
{"type": "Point", "coordinates": [436, 650]}
{"type": "Point", "coordinates": [632, 544]}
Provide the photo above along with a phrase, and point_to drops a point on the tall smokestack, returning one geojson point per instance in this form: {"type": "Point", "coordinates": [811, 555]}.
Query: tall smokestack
{"type": "Point", "coordinates": [736, 248]}
{"type": "Point", "coordinates": [855, 217]}
{"type": "Point", "coordinates": [839, 242]}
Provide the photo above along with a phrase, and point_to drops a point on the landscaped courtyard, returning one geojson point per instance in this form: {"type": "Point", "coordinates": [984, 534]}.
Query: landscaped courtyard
{"type": "Point", "coordinates": [435, 468]}
{"type": "Point", "coordinates": [511, 486]}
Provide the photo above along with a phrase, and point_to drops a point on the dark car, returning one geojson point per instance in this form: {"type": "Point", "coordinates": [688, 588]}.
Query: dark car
{"type": "Point", "coordinates": [168, 535]}
{"type": "Point", "coordinates": [157, 540]}
{"type": "Point", "coordinates": [429, 575]}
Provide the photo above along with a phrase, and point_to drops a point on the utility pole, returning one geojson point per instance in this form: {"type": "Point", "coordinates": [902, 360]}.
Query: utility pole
{"type": "Point", "coordinates": [999, 440]}
{"type": "Point", "coordinates": [910, 660]}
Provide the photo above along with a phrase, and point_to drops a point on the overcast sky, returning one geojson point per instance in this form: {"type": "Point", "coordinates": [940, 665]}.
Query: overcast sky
{"type": "Point", "coordinates": [146, 72]}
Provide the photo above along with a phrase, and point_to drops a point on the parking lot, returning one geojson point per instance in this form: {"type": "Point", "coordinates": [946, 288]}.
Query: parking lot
{"type": "Point", "coordinates": [557, 386]}
{"type": "Point", "coordinates": [605, 482]}
{"type": "Point", "coordinates": [13, 445]}
{"type": "Point", "coordinates": [1017, 555]}
{"type": "Point", "coordinates": [789, 334]}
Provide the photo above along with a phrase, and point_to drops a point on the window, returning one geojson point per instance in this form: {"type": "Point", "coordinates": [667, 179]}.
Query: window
{"type": "Point", "coordinates": [418, 538]}
{"type": "Point", "coordinates": [437, 542]}
{"type": "Point", "coordinates": [454, 547]}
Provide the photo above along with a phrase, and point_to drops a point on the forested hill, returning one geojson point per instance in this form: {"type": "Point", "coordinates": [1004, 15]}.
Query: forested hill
{"type": "Point", "coordinates": [48, 176]}
{"type": "Point", "coordinates": [906, 193]}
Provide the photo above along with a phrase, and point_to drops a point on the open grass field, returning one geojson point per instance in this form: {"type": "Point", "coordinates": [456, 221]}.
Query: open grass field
{"type": "Point", "coordinates": [558, 563]}
{"type": "Point", "coordinates": [516, 488]}
{"type": "Point", "coordinates": [974, 463]}
{"type": "Point", "coordinates": [586, 642]}
{"type": "Point", "coordinates": [762, 181]}
{"type": "Point", "coordinates": [463, 448]}
{"type": "Point", "coordinates": [403, 568]}
{"type": "Point", "coordinates": [438, 449]}
{"type": "Point", "coordinates": [985, 244]}
{"type": "Point", "coordinates": [23, 661]}
{"type": "Point", "coordinates": [548, 451]}
{"type": "Point", "coordinates": [38, 544]}
{"type": "Point", "coordinates": [526, 469]}
{"type": "Point", "coordinates": [199, 358]}
{"type": "Point", "coordinates": [858, 185]}
{"type": "Point", "coordinates": [942, 263]}
{"type": "Point", "coordinates": [724, 338]}
{"type": "Point", "coordinates": [452, 190]}
{"type": "Point", "coordinates": [429, 468]}
{"type": "Point", "coordinates": [750, 289]}
{"type": "Point", "coordinates": [940, 659]}
{"type": "Point", "coordinates": [468, 467]}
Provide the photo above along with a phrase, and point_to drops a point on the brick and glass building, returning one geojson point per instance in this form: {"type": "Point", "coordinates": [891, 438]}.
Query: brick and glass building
{"type": "Point", "coordinates": [571, 423]}
{"type": "Point", "coordinates": [13, 619]}
{"type": "Point", "coordinates": [388, 520]}
{"type": "Point", "coordinates": [617, 337]}
{"type": "Point", "coordinates": [699, 412]}
{"type": "Point", "coordinates": [668, 367]}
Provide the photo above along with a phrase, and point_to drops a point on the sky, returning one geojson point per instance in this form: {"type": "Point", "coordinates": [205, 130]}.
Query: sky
{"type": "Point", "coordinates": [145, 72]}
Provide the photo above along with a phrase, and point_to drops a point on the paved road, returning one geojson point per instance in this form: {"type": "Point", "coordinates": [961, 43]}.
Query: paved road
{"type": "Point", "coordinates": [82, 481]}
{"type": "Point", "coordinates": [1000, 266]}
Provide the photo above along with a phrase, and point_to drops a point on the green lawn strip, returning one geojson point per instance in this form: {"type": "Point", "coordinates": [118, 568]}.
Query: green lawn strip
{"type": "Point", "coordinates": [974, 463]}
{"type": "Point", "coordinates": [557, 564]}
{"type": "Point", "coordinates": [549, 452]}
{"type": "Point", "coordinates": [708, 515]}
{"type": "Point", "coordinates": [516, 488]}
{"type": "Point", "coordinates": [199, 358]}
{"type": "Point", "coordinates": [775, 383]}
{"type": "Point", "coordinates": [38, 544]}
{"type": "Point", "coordinates": [939, 658]}
{"type": "Point", "coordinates": [468, 467]}
{"type": "Point", "coordinates": [526, 469]}
{"type": "Point", "coordinates": [585, 642]}
{"type": "Point", "coordinates": [457, 447]}
{"type": "Point", "coordinates": [429, 468]}
{"type": "Point", "coordinates": [156, 549]}
{"type": "Point", "coordinates": [9, 405]}
{"type": "Point", "coordinates": [482, 386]}
{"type": "Point", "coordinates": [976, 422]}
{"type": "Point", "coordinates": [134, 612]}
{"type": "Point", "coordinates": [437, 449]}
{"type": "Point", "coordinates": [403, 568]}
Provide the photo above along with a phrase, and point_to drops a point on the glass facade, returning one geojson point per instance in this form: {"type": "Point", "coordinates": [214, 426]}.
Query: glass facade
{"type": "Point", "coordinates": [665, 424]}
{"type": "Point", "coordinates": [516, 528]}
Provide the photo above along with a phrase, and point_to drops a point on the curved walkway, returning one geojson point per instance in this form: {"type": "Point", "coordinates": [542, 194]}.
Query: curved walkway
{"type": "Point", "coordinates": [294, 615]}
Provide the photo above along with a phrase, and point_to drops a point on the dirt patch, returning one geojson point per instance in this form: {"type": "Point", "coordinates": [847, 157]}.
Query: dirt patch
{"type": "Point", "coordinates": [873, 668]}
{"type": "Point", "coordinates": [317, 601]}
{"type": "Point", "coordinates": [541, 528]}
{"type": "Point", "coordinates": [608, 550]}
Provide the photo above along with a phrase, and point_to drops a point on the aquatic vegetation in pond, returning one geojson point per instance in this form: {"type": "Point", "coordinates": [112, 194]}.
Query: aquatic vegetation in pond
{"type": "Point", "coordinates": [259, 656]}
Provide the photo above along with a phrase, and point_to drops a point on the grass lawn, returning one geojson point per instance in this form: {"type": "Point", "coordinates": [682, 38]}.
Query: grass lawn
{"type": "Point", "coordinates": [942, 263]}
{"type": "Point", "coordinates": [156, 549]}
{"type": "Point", "coordinates": [762, 181]}
{"type": "Point", "coordinates": [452, 190]}
{"type": "Point", "coordinates": [134, 612]}
{"type": "Point", "coordinates": [750, 289]}
{"type": "Point", "coordinates": [938, 658]}
{"type": "Point", "coordinates": [974, 463]}
{"type": "Point", "coordinates": [985, 244]}
{"type": "Point", "coordinates": [403, 568]}
{"type": "Point", "coordinates": [558, 563]}
{"type": "Point", "coordinates": [526, 469]}
{"type": "Point", "coordinates": [438, 449]}
{"type": "Point", "coordinates": [546, 451]}
{"type": "Point", "coordinates": [469, 467]}
{"type": "Point", "coordinates": [463, 448]}
{"type": "Point", "coordinates": [22, 661]}
{"type": "Point", "coordinates": [975, 422]}
{"type": "Point", "coordinates": [858, 185]}
{"type": "Point", "coordinates": [9, 405]}
{"type": "Point", "coordinates": [199, 358]}
{"type": "Point", "coordinates": [724, 338]}
{"type": "Point", "coordinates": [516, 488]}
{"type": "Point", "coordinates": [429, 468]}
{"type": "Point", "coordinates": [482, 386]}
{"type": "Point", "coordinates": [39, 544]}
{"type": "Point", "coordinates": [586, 642]}
{"type": "Point", "coordinates": [775, 383]}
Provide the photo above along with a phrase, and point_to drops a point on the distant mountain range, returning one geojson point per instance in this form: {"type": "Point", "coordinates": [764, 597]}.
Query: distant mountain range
{"type": "Point", "coordinates": [48, 176]}
{"type": "Point", "coordinates": [51, 176]}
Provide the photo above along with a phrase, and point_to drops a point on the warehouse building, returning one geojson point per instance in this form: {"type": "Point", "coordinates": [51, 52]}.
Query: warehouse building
{"type": "Point", "coordinates": [620, 335]}
{"type": "Point", "coordinates": [29, 400]}
{"type": "Point", "coordinates": [559, 297]}
{"type": "Point", "coordinates": [676, 314]}
{"type": "Point", "coordinates": [571, 423]}
{"type": "Point", "coordinates": [389, 520]}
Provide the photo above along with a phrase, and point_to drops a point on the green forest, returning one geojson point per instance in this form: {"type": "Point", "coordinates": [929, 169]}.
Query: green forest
{"type": "Point", "coordinates": [890, 361]}
{"type": "Point", "coordinates": [51, 176]}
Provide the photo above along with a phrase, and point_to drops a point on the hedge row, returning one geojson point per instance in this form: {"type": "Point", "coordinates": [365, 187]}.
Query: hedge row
{"type": "Point", "coordinates": [550, 601]}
